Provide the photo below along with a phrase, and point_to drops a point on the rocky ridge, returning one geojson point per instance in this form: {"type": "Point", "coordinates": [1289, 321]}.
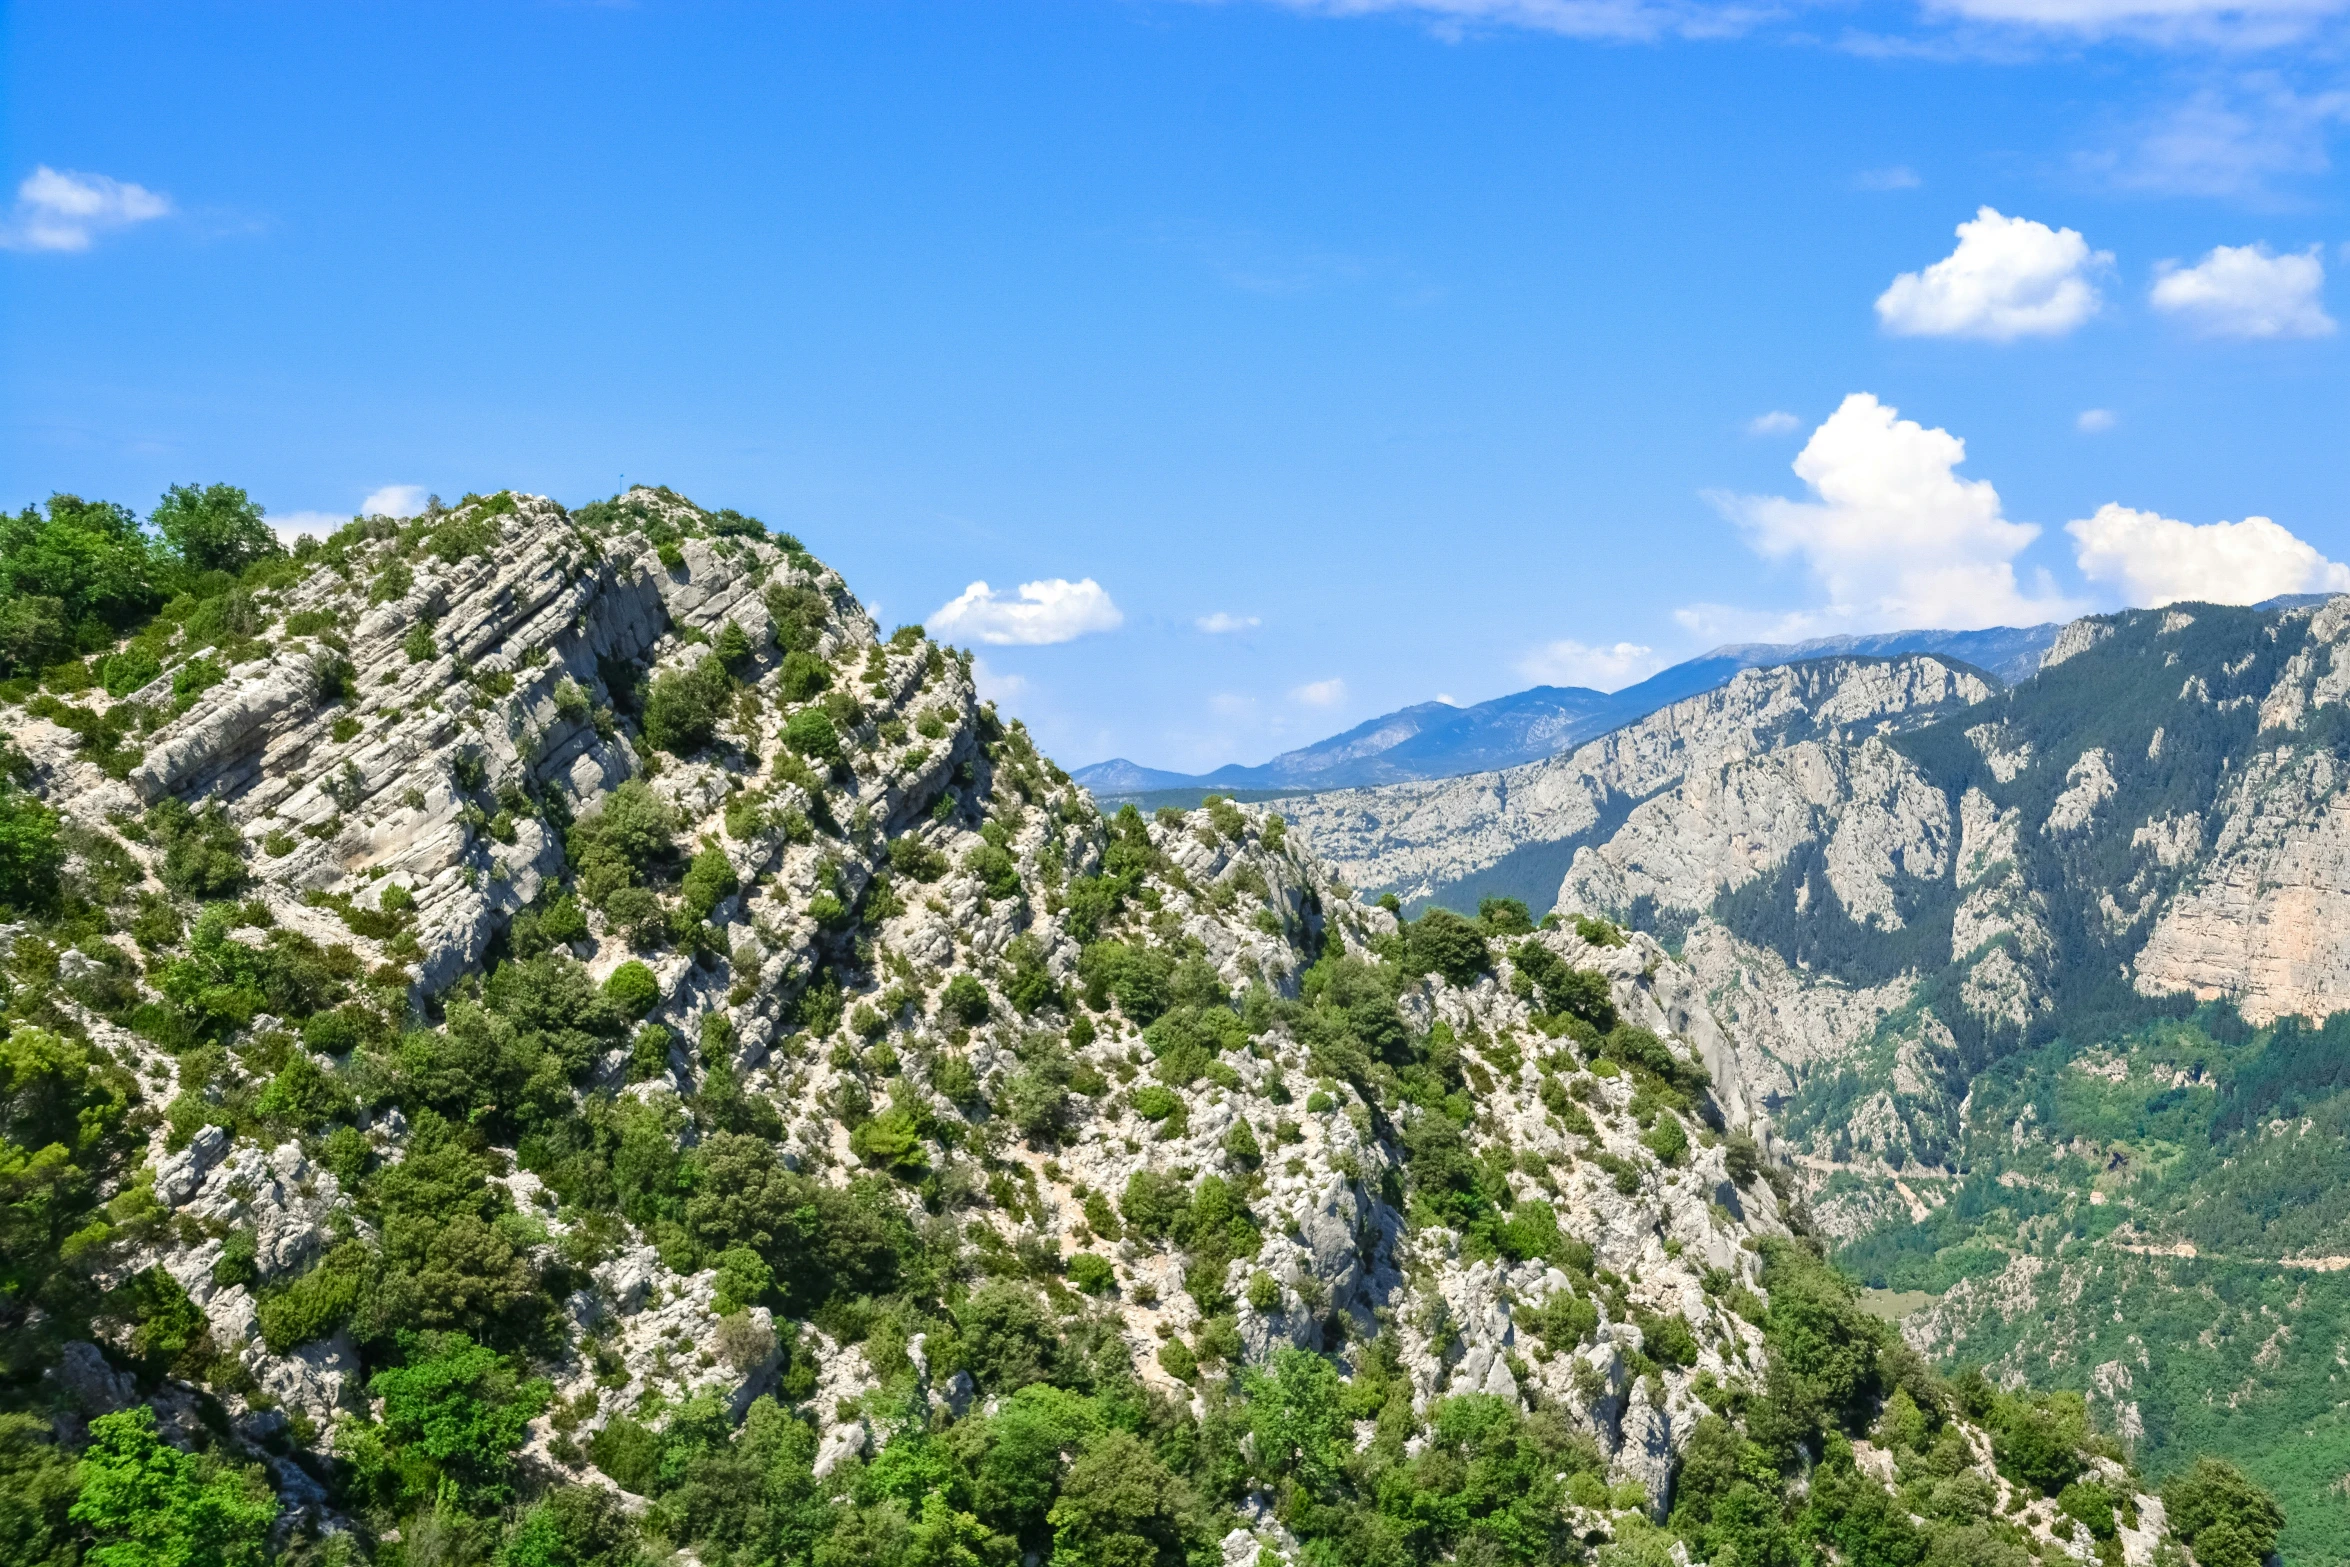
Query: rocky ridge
{"type": "Point", "coordinates": [910, 961]}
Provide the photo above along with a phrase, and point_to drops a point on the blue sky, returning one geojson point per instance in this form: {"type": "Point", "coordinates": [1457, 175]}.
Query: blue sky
{"type": "Point", "coordinates": [1424, 349]}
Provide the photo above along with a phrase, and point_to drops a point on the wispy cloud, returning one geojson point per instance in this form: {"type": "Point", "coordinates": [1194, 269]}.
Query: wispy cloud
{"type": "Point", "coordinates": [1615, 19]}
{"type": "Point", "coordinates": [394, 500]}
{"type": "Point", "coordinates": [2243, 139]}
{"type": "Point", "coordinates": [1777, 422]}
{"type": "Point", "coordinates": [1055, 610]}
{"type": "Point", "coordinates": [64, 210]}
{"type": "Point", "coordinates": [1899, 177]}
{"type": "Point", "coordinates": [1221, 624]}
{"type": "Point", "coordinates": [1320, 693]}
{"type": "Point", "coordinates": [2095, 421]}
{"type": "Point", "coordinates": [1607, 667]}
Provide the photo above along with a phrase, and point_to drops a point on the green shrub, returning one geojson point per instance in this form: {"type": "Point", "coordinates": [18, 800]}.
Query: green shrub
{"type": "Point", "coordinates": [128, 670]}
{"type": "Point", "coordinates": [216, 528]}
{"type": "Point", "coordinates": [1441, 942]}
{"type": "Point", "coordinates": [31, 851]}
{"type": "Point", "coordinates": [419, 644]}
{"type": "Point", "coordinates": [964, 1000]}
{"type": "Point", "coordinates": [2223, 1514]}
{"type": "Point", "coordinates": [203, 854]}
{"type": "Point", "coordinates": [684, 707]}
{"type": "Point", "coordinates": [1092, 1273]}
{"type": "Point", "coordinates": [811, 733]}
{"type": "Point", "coordinates": [633, 988]}
{"type": "Point", "coordinates": [709, 881]}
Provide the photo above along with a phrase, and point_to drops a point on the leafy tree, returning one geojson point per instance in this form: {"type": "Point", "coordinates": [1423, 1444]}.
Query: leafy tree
{"type": "Point", "coordinates": [965, 1000]}
{"type": "Point", "coordinates": [1120, 1507]}
{"type": "Point", "coordinates": [684, 707]}
{"type": "Point", "coordinates": [203, 853]}
{"type": "Point", "coordinates": [459, 1406]}
{"type": "Point", "coordinates": [572, 1526]}
{"type": "Point", "coordinates": [1441, 942]}
{"type": "Point", "coordinates": [216, 528]}
{"type": "Point", "coordinates": [36, 1489]}
{"type": "Point", "coordinates": [87, 564]}
{"type": "Point", "coordinates": [31, 851]}
{"type": "Point", "coordinates": [147, 1504]}
{"type": "Point", "coordinates": [709, 880]}
{"type": "Point", "coordinates": [633, 988]}
{"type": "Point", "coordinates": [810, 732]}
{"type": "Point", "coordinates": [2220, 1511]}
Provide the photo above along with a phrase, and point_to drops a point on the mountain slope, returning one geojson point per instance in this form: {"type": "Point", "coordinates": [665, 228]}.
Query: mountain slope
{"type": "Point", "coordinates": [1432, 740]}
{"type": "Point", "coordinates": [536, 1036]}
{"type": "Point", "coordinates": [2033, 991]}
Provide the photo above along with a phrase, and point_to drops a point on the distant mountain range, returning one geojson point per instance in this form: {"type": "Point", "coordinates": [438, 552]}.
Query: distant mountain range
{"type": "Point", "coordinates": [1437, 740]}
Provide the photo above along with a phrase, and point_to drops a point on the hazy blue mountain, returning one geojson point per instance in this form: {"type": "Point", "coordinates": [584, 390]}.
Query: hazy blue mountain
{"type": "Point", "coordinates": [1436, 740]}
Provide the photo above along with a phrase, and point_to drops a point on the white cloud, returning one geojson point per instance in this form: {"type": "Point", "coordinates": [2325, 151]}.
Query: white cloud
{"type": "Point", "coordinates": [1777, 422]}
{"type": "Point", "coordinates": [1569, 18]}
{"type": "Point", "coordinates": [394, 500]}
{"type": "Point", "coordinates": [2008, 278]}
{"type": "Point", "coordinates": [2151, 559]}
{"type": "Point", "coordinates": [1569, 663]}
{"type": "Point", "coordinates": [996, 685]}
{"type": "Point", "coordinates": [1219, 623]}
{"type": "Point", "coordinates": [1899, 177]}
{"type": "Point", "coordinates": [2095, 421]}
{"type": "Point", "coordinates": [2240, 22]}
{"type": "Point", "coordinates": [2243, 291]}
{"type": "Point", "coordinates": [2233, 140]}
{"type": "Point", "coordinates": [290, 525]}
{"type": "Point", "coordinates": [1321, 693]}
{"type": "Point", "coordinates": [1895, 538]}
{"type": "Point", "coordinates": [1056, 610]}
{"type": "Point", "coordinates": [65, 211]}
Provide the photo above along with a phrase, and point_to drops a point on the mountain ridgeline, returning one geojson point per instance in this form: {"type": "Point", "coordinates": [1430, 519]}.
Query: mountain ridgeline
{"type": "Point", "coordinates": [543, 1037]}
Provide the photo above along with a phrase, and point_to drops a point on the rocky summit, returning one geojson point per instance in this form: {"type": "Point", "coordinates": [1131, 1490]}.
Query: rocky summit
{"type": "Point", "coordinates": [545, 1037]}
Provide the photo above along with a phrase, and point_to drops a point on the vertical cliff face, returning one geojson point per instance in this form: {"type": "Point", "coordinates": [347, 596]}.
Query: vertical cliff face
{"type": "Point", "coordinates": [585, 935]}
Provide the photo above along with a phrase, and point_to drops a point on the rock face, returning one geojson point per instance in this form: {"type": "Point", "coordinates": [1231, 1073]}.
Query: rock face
{"type": "Point", "coordinates": [1151, 1066]}
{"type": "Point", "coordinates": [1503, 831]}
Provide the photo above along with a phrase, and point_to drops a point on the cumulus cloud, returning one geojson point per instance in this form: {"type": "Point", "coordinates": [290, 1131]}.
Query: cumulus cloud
{"type": "Point", "coordinates": [1221, 624]}
{"type": "Point", "coordinates": [1320, 693]}
{"type": "Point", "coordinates": [394, 500]}
{"type": "Point", "coordinates": [2151, 559]}
{"type": "Point", "coordinates": [1893, 536]}
{"type": "Point", "coordinates": [1570, 663]}
{"type": "Point", "coordinates": [1055, 610]}
{"type": "Point", "coordinates": [2095, 421]}
{"type": "Point", "coordinates": [1777, 422]}
{"type": "Point", "coordinates": [62, 210]}
{"type": "Point", "coordinates": [2008, 278]}
{"type": "Point", "coordinates": [2244, 291]}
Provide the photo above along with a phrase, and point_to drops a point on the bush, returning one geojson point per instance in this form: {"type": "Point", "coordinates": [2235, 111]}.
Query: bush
{"type": "Point", "coordinates": [964, 1000]}
{"type": "Point", "coordinates": [1092, 1273]}
{"type": "Point", "coordinates": [1441, 942]}
{"type": "Point", "coordinates": [633, 988]}
{"type": "Point", "coordinates": [810, 732]}
{"type": "Point", "coordinates": [683, 709]}
{"type": "Point", "coordinates": [127, 671]}
{"type": "Point", "coordinates": [915, 860]}
{"type": "Point", "coordinates": [31, 852]}
{"type": "Point", "coordinates": [144, 1501]}
{"type": "Point", "coordinates": [709, 881]}
{"type": "Point", "coordinates": [203, 854]}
